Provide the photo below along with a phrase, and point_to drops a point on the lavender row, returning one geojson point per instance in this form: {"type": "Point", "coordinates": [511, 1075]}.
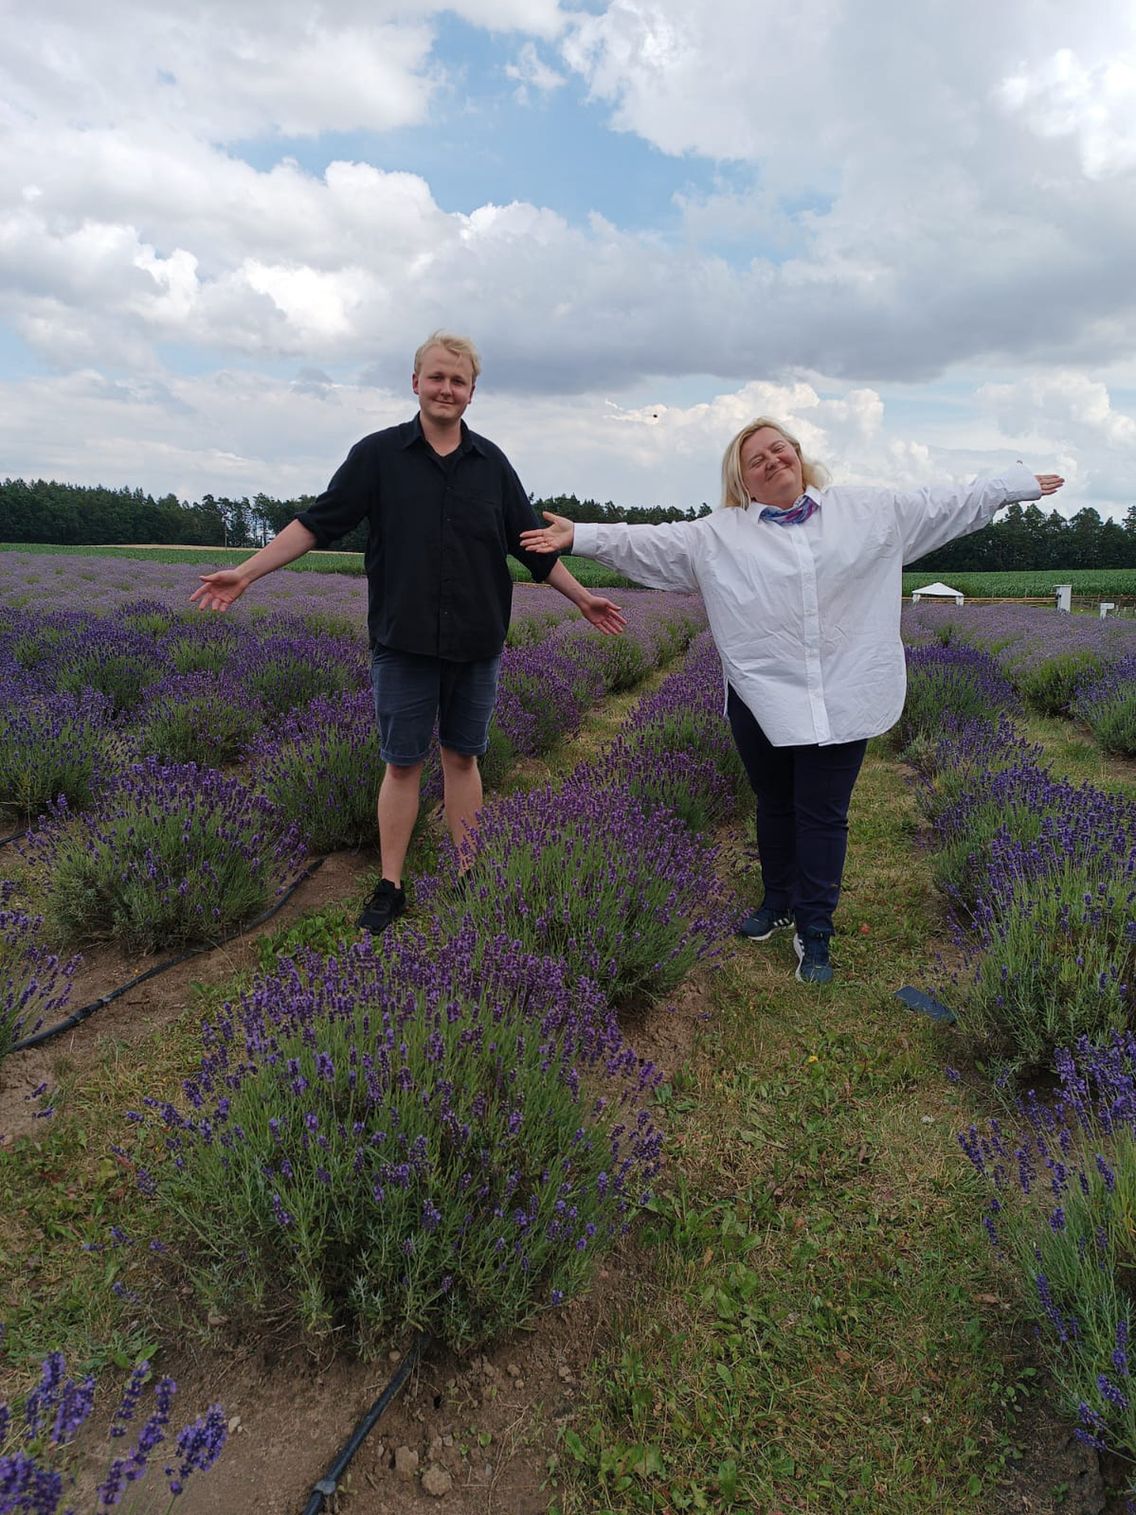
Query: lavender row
{"type": "Point", "coordinates": [1048, 657]}
{"type": "Point", "coordinates": [1041, 874]}
{"type": "Point", "coordinates": [545, 689]}
{"type": "Point", "coordinates": [1060, 1217]}
{"type": "Point", "coordinates": [1106, 704]}
{"type": "Point", "coordinates": [82, 695]}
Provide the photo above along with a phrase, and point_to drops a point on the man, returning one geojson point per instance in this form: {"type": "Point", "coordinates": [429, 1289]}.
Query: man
{"type": "Point", "coordinates": [444, 509]}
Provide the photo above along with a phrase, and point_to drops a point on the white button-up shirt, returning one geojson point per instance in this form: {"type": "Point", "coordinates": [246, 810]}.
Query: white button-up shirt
{"type": "Point", "coordinates": [806, 617]}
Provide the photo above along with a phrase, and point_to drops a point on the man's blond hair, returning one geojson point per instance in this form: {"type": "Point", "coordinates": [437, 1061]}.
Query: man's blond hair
{"type": "Point", "coordinates": [452, 343]}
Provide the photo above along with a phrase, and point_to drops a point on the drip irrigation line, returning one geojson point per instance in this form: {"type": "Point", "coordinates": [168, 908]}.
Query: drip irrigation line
{"type": "Point", "coordinates": [77, 1017]}
{"type": "Point", "coordinates": [329, 1483]}
{"type": "Point", "coordinates": [15, 837]}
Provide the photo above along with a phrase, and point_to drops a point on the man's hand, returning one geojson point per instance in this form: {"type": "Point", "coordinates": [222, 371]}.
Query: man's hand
{"type": "Point", "coordinates": [219, 590]}
{"type": "Point", "coordinates": [1050, 483]}
{"type": "Point", "coordinates": [558, 536]}
{"type": "Point", "coordinates": [605, 615]}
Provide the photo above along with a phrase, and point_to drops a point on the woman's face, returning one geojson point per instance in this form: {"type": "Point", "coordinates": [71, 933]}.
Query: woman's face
{"type": "Point", "coordinates": [771, 469]}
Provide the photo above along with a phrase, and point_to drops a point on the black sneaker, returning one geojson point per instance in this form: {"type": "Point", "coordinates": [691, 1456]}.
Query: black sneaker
{"type": "Point", "coordinates": [813, 966]}
{"type": "Point", "coordinates": [386, 904]}
{"type": "Point", "coordinates": [761, 925]}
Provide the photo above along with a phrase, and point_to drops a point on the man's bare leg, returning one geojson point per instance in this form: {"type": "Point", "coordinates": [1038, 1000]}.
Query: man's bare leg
{"type": "Point", "coordinates": [461, 798]}
{"type": "Point", "coordinates": [398, 811]}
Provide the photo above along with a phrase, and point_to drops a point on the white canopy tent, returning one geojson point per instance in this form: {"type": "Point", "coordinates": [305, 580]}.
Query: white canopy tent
{"type": "Point", "coordinates": [937, 592]}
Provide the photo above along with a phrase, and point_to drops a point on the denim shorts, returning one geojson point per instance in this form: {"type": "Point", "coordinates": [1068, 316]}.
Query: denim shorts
{"type": "Point", "coordinates": [412, 691]}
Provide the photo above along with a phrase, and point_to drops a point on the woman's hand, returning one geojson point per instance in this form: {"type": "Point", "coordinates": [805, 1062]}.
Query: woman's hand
{"type": "Point", "coordinates": [557, 536]}
{"type": "Point", "coordinates": [1049, 483]}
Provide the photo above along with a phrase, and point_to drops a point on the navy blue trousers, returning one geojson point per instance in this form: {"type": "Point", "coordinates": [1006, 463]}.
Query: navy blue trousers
{"type": "Point", "coordinates": [803, 795]}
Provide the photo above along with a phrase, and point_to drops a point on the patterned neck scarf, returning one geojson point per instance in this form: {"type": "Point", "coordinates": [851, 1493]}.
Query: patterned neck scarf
{"type": "Point", "coordinates": [794, 515]}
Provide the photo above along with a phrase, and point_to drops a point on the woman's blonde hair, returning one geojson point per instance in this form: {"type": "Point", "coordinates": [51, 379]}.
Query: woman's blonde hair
{"type": "Point", "coordinates": [451, 343]}
{"type": "Point", "coordinates": [734, 492]}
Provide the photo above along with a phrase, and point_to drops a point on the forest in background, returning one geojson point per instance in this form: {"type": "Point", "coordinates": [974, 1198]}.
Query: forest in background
{"type": "Point", "coordinates": [1025, 537]}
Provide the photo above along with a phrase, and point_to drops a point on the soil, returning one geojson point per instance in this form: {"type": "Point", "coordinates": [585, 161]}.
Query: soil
{"type": "Point", "coordinates": [465, 1437]}
{"type": "Point", "coordinates": [1056, 1474]}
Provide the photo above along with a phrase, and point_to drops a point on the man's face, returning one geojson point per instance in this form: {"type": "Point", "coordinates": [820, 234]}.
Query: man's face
{"type": "Point", "coordinates": [444, 385]}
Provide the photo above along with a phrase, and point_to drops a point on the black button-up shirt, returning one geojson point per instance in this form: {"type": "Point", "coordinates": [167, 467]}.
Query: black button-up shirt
{"type": "Point", "coordinates": [438, 532]}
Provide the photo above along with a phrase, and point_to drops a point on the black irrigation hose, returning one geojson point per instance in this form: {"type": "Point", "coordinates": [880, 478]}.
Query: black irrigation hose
{"type": "Point", "coordinates": [329, 1483]}
{"type": "Point", "coordinates": [15, 837]}
{"type": "Point", "coordinates": [78, 1016]}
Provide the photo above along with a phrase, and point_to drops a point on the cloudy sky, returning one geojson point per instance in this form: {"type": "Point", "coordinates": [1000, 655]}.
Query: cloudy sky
{"type": "Point", "coordinates": [910, 230]}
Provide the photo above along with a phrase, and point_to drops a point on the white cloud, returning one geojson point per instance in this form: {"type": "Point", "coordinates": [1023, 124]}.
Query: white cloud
{"type": "Point", "coordinates": [905, 193]}
{"type": "Point", "coordinates": [1095, 103]}
{"type": "Point", "coordinates": [531, 72]}
{"type": "Point", "coordinates": [240, 433]}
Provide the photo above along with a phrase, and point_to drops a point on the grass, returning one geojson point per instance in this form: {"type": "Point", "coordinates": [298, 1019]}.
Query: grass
{"type": "Point", "coordinates": [809, 1331]}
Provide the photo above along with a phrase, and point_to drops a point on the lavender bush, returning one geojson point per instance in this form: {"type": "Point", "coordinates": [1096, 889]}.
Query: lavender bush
{"type": "Point", "coordinates": [1106, 704]}
{"type": "Point", "coordinates": [34, 984]}
{"type": "Point", "coordinates": [1049, 684]}
{"type": "Point", "coordinates": [529, 629]}
{"type": "Point", "coordinates": [50, 744]}
{"type": "Point", "coordinates": [38, 1442]}
{"type": "Point", "coordinates": [676, 751]}
{"type": "Point", "coordinates": [321, 768]}
{"type": "Point", "coordinates": [204, 643]}
{"type": "Point", "coordinates": [171, 855]}
{"type": "Point", "coordinates": [150, 617]}
{"type": "Point", "coordinates": [1040, 874]}
{"type": "Point", "coordinates": [551, 688]}
{"type": "Point", "coordinates": [619, 663]}
{"type": "Point", "coordinates": [586, 874]}
{"type": "Point", "coordinates": [114, 660]}
{"type": "Point", "coordinates": [1007, 807]}
{"type": "Point", "coordinates": [404, 1139]}
{"type": "Point", "coordinates": [1063, 1190]}
{"type": "Point", "coordinates": [1055, 961]}
{"type": "Point", "coordinates": [949, 679]}
{"type": "Point", "coordinates": [287, 670]}
{"type": "Point", "coordinates": [206, 718]}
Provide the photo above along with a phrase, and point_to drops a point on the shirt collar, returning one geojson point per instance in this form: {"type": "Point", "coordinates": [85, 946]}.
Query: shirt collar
{"type": "Point", "coordinates": [470, 441]}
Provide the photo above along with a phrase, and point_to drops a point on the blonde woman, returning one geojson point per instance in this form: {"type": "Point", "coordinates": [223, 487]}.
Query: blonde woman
{"type": "Point", "coordinates": [802, 586]}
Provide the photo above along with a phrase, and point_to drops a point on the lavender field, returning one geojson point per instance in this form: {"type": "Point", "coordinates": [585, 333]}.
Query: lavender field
{"type": "Point", "coordinates": [450, 1134]}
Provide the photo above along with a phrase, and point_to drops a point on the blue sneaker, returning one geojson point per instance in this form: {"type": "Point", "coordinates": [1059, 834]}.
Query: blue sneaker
{"type": "Point", "coordinates": [813, 966]}
{"type": "Point", "coordinates": [761, 925]}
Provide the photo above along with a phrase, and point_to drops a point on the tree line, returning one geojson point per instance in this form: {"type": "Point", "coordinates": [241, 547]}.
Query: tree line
{"type": "Point", "coordinates": [1025, 537]}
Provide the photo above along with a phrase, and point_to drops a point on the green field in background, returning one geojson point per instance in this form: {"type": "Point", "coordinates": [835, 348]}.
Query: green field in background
{"type": "Point", "coordinates": [592, 574]}
{"type": "Point", "coordinates": [1098, 583]}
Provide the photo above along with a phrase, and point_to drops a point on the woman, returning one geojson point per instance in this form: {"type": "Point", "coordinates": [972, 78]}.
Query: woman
{"type": "Point", "coordinates": [802, 586]}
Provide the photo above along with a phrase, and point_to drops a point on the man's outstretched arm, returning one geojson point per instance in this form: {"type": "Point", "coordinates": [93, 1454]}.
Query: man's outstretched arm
{"type": "Point", "coordinates": [224, 588]}
{"type": "Point", "coordinates": [604, 614]}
